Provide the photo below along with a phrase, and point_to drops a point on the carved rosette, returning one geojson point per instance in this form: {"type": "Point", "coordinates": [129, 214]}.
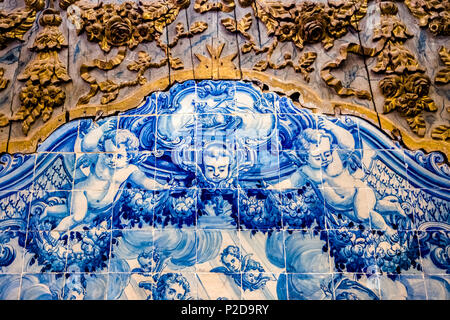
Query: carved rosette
{"type": "Point", "coordinates": [309, 22]}
{"type": "Point", "coordinates": [127, 24]}
{"type": "Point", "coordinates": [44, 75]}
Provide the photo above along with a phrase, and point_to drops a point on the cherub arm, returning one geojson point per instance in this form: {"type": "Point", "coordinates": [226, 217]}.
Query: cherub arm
{"type": "Point", "coordinates": [140, 179]}
{"type": "Point", "coordinates": [295, 180]}
{"type": "Point", "coordinates": [91, 139]}
{"type": "Point", "coordinates": [344, 138]}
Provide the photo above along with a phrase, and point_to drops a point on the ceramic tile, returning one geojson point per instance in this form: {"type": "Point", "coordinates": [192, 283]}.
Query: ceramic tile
{"type": "Point", "coordinates": [219, 286]}
{"type": "Point", "coordinates": [437, 287]}
{"type": "Point", "coordinates": [17, 171]}
{"type": "Point", "coordinates": [12, 251]}
{"type": "Point", "coordinates": [38, 286]}
{"type": "Point", "coordinates": [223, 257]}
{"type": "Point", "coordinates": [55, 171]}
{"type": "Point", "coordinates": [257, 285]}
{"type": "Point", "coordinates": [355, 286]}
{"type": "Point", "coordinates": [172, 286]}
{"type": "Point", "coordinates": [433, 244]}
{"type": "Point", "coordinates": [15, 206]}
{"type": "Point", "coordinates": [84, 286]}
{"type": "Point", "coordinates": [403, 287]}
{"type": "Point", "coordinates": [215, 190]}
{"type": "Point", "coordinates": [10, 284]}
{"type": "Point", "coordinates": [218, 209]}
{"type": "Point", "coordinates": [310, 286]}
{"type": "Point", "coordinates": [302, 209]}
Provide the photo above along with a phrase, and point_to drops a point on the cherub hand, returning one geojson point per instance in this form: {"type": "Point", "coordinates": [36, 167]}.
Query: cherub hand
{"type": "Point", "coordinates": [325, 124]}
{"type": "Point", "coordinates": [262, 184]}
{"type": "Point", "coordinates": [171, 181]}
{"type": "Point", "coordinates": [109, 125]}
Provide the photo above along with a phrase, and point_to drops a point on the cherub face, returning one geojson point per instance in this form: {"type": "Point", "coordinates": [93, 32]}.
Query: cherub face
{"type": "Point", "coordinates": [216, 168]}
{"type": "Point", "coordinates": [320, 156]}
{"type": "Point", "coordinates": [174, 291]}
{"type": "Point", "coordinates": [251, 276]}
{"type": "Point", "coordinates": [146, 261]}
{"type": "Point", "coordinates": [74, 294]}
{"type": "Point", "coordinates": [232, 263]}
{"type": "Point", "coordinates": [115, 157]}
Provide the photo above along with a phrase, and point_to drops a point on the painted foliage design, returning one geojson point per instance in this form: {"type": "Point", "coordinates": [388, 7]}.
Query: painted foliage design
{"type": "Point", "coordinates": [143, 198]}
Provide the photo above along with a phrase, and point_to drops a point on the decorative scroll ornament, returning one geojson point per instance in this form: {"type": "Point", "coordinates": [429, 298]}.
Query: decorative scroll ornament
{"type": "Point", "coordinates": [44, 75]}
{"type": "Point", "coordinates": [13, 25]}
{"type": "Point", "coordinates": [126, 26]}
{"type": "Point", "coordinates": [433, 14]}
{"type": "Point", "coordinates": [206, 67]}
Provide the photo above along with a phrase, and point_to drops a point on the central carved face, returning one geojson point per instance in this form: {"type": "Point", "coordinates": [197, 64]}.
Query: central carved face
{"type": "Point", "coordinates": [216, 169]}
{"type": "Point", "coordinates": [216, 163]}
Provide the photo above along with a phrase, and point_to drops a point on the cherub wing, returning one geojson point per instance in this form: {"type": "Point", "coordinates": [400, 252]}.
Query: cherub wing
{"type": "Point", "coordinates": [220, 269]}
{"type": "Point", "coordinates": [54, 171]}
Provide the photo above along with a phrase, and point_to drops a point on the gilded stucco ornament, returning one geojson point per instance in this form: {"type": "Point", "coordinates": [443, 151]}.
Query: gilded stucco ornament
{"type": "Point", "coordinates": [443, 75]}
{"type": "Point", "coordinates": [406, 86]}
{"type": "Point", "coordinates": [221, 5]}
{"type": "Point", "coordinates": [432, 14]}
{"type": "Point", "coordinates": [3, 82]}
{"type": "Point", "coordinates": [411, 84]}
{"type": "Point", "coordinates": [125, 26]}
{"type": "Point", "coordinates": [13, 25]}
{"type": "Point", "coordinates": [43, 76]}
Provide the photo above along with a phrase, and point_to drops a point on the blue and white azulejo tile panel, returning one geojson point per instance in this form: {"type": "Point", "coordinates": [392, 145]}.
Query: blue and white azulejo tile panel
{"type": "Point", "coordinates": [215, 190]}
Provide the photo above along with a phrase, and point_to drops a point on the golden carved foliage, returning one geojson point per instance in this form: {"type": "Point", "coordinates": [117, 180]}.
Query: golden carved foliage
{"type": "Point", "coordinates": [441, 132]}
{"type": "Point", "coordinates": [44, 75]}
{"type": "Point", "coordinates": [309, 22]}
{"type": "Point", "coordinates": [3, 82]}
{"type": "Point", "coordinates": [433, 14]}
{"type": "Point", "coordinates": [125, 26]}
{"type": "Point", "coordinates": [13, 25]}
{"type": "Point", "coordinates": [207, 5]}
{"type": "Point", "coordinates": [443, 75]}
